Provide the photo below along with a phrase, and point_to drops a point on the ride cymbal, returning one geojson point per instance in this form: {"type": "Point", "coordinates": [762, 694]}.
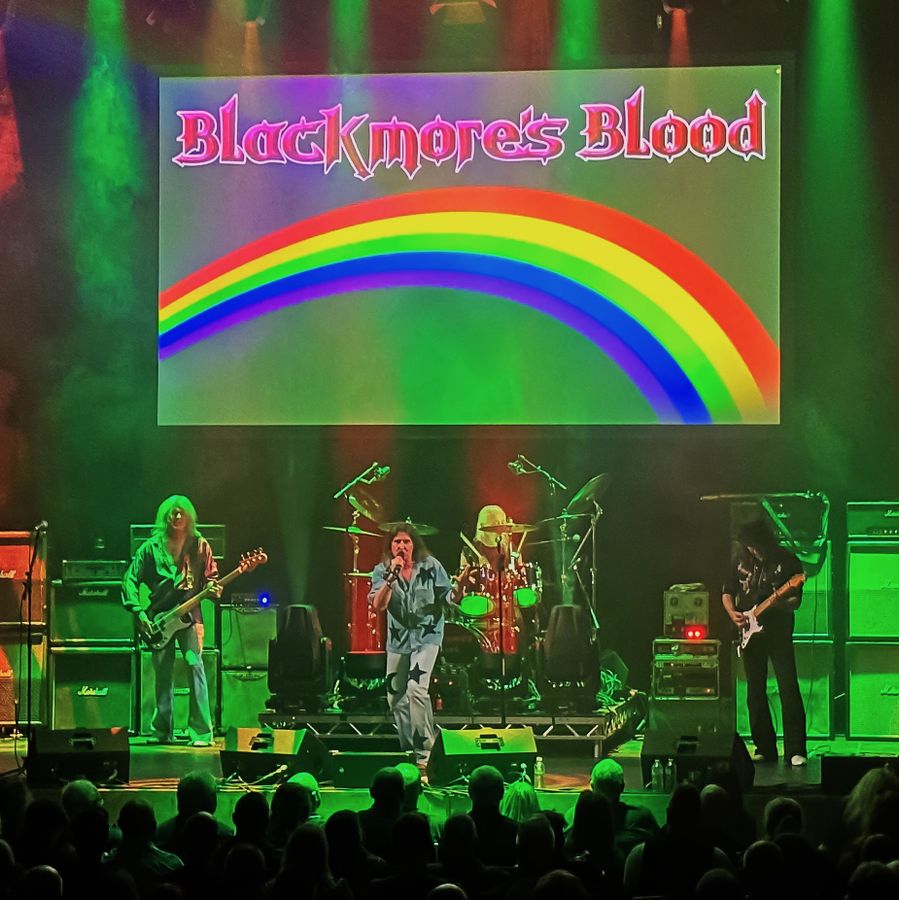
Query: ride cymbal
{"type": "Point", "coordinates": [508, 528]}
{"type": "Point", "coordinates": [363, 502]}
{"type": "Point", "coordinates": [352, 529]}
{"type": "Point", "coordinates": [589, 494]}
{"type": "Point", "coordinates": [420, 527]}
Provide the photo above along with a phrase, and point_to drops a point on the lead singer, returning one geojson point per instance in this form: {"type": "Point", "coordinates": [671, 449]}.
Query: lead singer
{"type": "Point", "coordinates": [414, 589]}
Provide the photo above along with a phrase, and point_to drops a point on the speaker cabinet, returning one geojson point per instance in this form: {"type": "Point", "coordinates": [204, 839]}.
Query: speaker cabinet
{"type": "Point", "coordinates": [697, 734]}
{"type": "Point", "coordinates": [813, 618]}
{"type": "Point", "coordinates": [873, 690]}
{"type": "Point", "coordinates": [14, 676]}
{"type": "Point", "coordinates": [246, 631]}
{"type": "Point", "coordinates": [244, 694]}
{"type": "Point", "coordinates": [253, 753]}
{"type": "Point", "coordinates": [101, 755]}
{"type": "Point", "coordinates": [815, 667]}
{"type": "Point", "coordinates": [15, 554]}
{"type": "Point", "coordinates": [182, 691]}
{"type": "Point", "coordinates": [457, 752]}
{"type": "Point", "coordinates": [92, 687]}
{"type": "Point", "coordinates": [89, 612]}
{"type": "Point", "coordinates": [872, 582]}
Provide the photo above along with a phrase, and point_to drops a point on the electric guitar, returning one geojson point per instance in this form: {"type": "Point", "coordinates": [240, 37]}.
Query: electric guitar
{"type": "Point", "coordinates": [169, 608]}
{"type": "Point", "coordinates": [751, 624]}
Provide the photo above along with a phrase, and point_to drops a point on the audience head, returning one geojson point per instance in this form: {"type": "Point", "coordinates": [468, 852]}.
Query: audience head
{"type": "Point", "coordinates": [291, 807]}
{"type": "Point", "coordinates": [457, 842]}
{"type": "Point", "coordinates": [879, 848]}
{"type": "Point", "coordinates": [560, 885]}
{"type": "Point", "coordinates": [250, 816]}
{"type": "Point", "coordinates": [485, 787]}
{"type": "Point", "coordinates": [344, 835]}
{"type": "Point", "coordinates": [137, 822]}
{"type": "Point", "coordinates": [885, 815]}
{"type": "Point", "coordinates": [306, 855]}
{"type": "Point", "coordinates": [725, 776]}
{"type": "Point", "coordinates": [719, 884]}
{"type": "Point", "coordinates": [862, 798]}
{"type": "Point", "coordinates": [14, 797]}
{"type": "Point", "coordinates": [446, 892]}
{"type": "Point", "coordinates": [411, 786]}
{"type": "Point", "coordinates": [872, 881]}
{"type": "Point", "coordinates": [535, 845]}
{"type": "Point", "coordinates": [198, 839]}
{"type": "Point", "coordinates": [593, 827]}
{"type": "Point", "coordinates": [412, 833]}
{"type": "Point", "coordinates": [783, 815]}
{"type": "Point", "coordinates": [41, 883]}
{"type": "Point", "coordinates": [763, 865]}
{"type": "Point", "coordinates": [196, 793]}
{"type": "Point", "coordinates": [684, 811]}
{"type": "Point", "coordinates": [520, 801]}
{"type": "Point", "coordinates": [244, 869]}
{"type": "Point", "coordinates": [310, 783]}
{"type": "Point", "coordinates": [607, 778]}
{"type": "Point", "coordinates": [43, 827]}
{"type": "Point", "coordinates": [77, 796]}
{"type": "Point", "coordinates": [388, 789]}
{"type": "Point", "coordinates": [557, 823]}
{"type": "Point", "coordinates": [716, 808]}
{"type": "Point", "coordinates": [90, 833]}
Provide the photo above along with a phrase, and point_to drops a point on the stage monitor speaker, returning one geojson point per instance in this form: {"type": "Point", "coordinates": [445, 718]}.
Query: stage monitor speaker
{"type": "Point", "coordinates": [246, 632]}
{"type": "Point", "coordinates": [89, 612]}
{"type": "Point", "coordinates": [15, 554]}
{"type": "Point", "coordinates": [871, 581]}
{"type": "Point", "coordinates": [92, 687]}
{"type": "Point", "coordinates": [457, 752]}
{"type": "Point", "coordinates": [182, 691]}
{"type": "Point", "coordinates": [356, 770]}
{"type": "Point", "coordinates": [873, 690]}
{"type": "Point", "coordinates": [14, 677]}
{"type": "Point", "coordinates": [815, 667]}
{"type": "Point", "coordinates": [244, 695]}
{"type": "Point", "coordinates": [101, 755]}
{"type": "Point", "coordinates": [698, 735]}
{"type": "Point", "coordinates": [840, 774]}
{"type": "Point", "coordinates": [255, 753]}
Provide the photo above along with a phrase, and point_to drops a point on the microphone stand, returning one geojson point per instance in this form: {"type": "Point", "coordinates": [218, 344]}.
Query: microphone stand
{"type": "Point", "coordinates": [364, 477]}
{"type": "Point", "coordinates": [500, 566]}
{"type": "Point", "coordinates": [25, 607]}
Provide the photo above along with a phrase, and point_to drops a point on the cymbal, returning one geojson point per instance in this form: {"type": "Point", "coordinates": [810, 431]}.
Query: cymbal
{"type": "Point", "coordinates": [363, 502]}
{"type": "Point", "coordinates": [421, 528]}
{"type": "Point", "coordinates": [352, 529]}
{"type": "Point", "coordinates": [589, 494]}
{"type": "Point", "coordinates": [562, 517]}
{"type": "Point", "coordinates": [508, 528]}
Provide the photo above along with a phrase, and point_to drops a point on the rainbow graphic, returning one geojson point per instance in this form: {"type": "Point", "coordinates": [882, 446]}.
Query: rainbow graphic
{"type": "Point", "coordinates": [691, 345]}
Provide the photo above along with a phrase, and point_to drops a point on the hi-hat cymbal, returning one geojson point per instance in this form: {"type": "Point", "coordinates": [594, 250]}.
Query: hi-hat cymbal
{"type": "Point", "coordinates": [363, 502]}
{"type": "Point", "coordinates": [589, 494]}
{"type": "Point", "coordinates": [352, 529]}
{"type": "Point", "coordinates": [421, 528]}
{"type": "Point", "coordinates": [508, 528]}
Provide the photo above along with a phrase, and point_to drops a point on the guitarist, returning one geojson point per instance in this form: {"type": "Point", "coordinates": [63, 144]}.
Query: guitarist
{"type": "Point", "coordinates": [760, 568]}
{"type": "Point", "coordinates": [174, 561]}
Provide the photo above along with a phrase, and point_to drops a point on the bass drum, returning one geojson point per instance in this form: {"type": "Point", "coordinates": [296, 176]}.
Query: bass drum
{"type": "Point", "coordinates": [463, 643]}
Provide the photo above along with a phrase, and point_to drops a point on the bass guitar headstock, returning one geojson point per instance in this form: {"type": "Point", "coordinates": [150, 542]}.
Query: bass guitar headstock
{"type": "Point", "coordinates": [251, 559]}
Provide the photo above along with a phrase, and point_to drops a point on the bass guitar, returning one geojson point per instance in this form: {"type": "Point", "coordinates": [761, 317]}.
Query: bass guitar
{"type": "Point", "coordinates": [751, 625]}
{"type": "Point", "coordinates": [169, 608]}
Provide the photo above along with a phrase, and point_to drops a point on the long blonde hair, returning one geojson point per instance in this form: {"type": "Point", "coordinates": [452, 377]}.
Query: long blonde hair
{"type": "Point", "coordinates": [164, 515]}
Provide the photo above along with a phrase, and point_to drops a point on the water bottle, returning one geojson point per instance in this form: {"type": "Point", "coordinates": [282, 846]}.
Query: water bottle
{"type": "Point", "coordinates": [669, 775]}
{"type": "Point", "coordinates": [656, 778]}
{"type": "Point", "coordinates": [539, 773]}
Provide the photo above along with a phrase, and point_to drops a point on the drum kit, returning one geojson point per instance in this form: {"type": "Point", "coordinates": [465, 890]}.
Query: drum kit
{"type": "Point", "coordinates": [496, 621]}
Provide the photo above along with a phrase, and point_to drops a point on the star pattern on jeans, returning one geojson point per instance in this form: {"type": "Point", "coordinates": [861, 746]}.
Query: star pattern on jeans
{"type": "Point", "coordinates": [415, 673]}
{"type": "Point", "coordinates": [396, 633]}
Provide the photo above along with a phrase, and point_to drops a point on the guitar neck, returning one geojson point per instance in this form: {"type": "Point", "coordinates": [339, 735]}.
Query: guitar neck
{"type": "Point", "coordinates": [793, 582]}
{"type": "Point", "coordinates": [204, 594]}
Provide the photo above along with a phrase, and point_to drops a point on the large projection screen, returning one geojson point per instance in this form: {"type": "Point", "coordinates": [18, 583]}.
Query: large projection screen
{"type": "Point", "coordinates": [513, 248]}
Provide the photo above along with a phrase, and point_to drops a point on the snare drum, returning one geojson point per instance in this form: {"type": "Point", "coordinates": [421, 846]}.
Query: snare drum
{"type": "Point", "coordinates": [479, 593]}
{"type": "Point", "coordinates": [527, 582]}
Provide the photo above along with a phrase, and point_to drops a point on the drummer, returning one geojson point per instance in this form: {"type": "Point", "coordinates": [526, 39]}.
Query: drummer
{"type": "Point", "coordinates": [487, 547]}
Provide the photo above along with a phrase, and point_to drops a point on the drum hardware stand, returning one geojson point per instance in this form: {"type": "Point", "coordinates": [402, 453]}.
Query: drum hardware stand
{"type": "Point", "coordinates": [573, 565]}
{"type": "Point", "coordinates": [500, 566]}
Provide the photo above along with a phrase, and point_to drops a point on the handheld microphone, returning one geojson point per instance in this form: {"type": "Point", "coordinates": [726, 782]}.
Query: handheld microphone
{"type": "Point", "coordinates": [516, 466]}
{"type": "Point", "coordinates": [41, 526]}
{"type": "Point", "coordinates": [380, 472]}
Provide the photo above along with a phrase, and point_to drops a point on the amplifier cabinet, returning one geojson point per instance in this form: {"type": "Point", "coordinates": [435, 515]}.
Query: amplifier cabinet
{"type": "Point", "coordinates": [182, 692]}
{"type": "Point", "coordinates": [682, 668]}
{"type": "Point", "coordinates": [872, 582]}
{"type": "Point", "coordinates": [246, 631]}
{"type": "Point", "coordinates": [244, 695]}
{"type": "Point", "coordinates": [15, 554]}
{"type": "Point", "coordinates": [92, 687]}
{"type": "Point", "coordinates": [814, 664]}
{"type": "Point", "coordinates": [89, 612]}
{"type": "Point", "coordinates": [873, 670]}
{"type": "Point", "coordinates": [874, 520]}
{"type": "Point", "coordinates": [14, 676]}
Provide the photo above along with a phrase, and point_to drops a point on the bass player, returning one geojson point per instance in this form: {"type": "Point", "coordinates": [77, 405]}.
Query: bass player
{"type": "Point", "coordinates": [176, 559]}
{"type": "Point", "coordinates": [761, 570]}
